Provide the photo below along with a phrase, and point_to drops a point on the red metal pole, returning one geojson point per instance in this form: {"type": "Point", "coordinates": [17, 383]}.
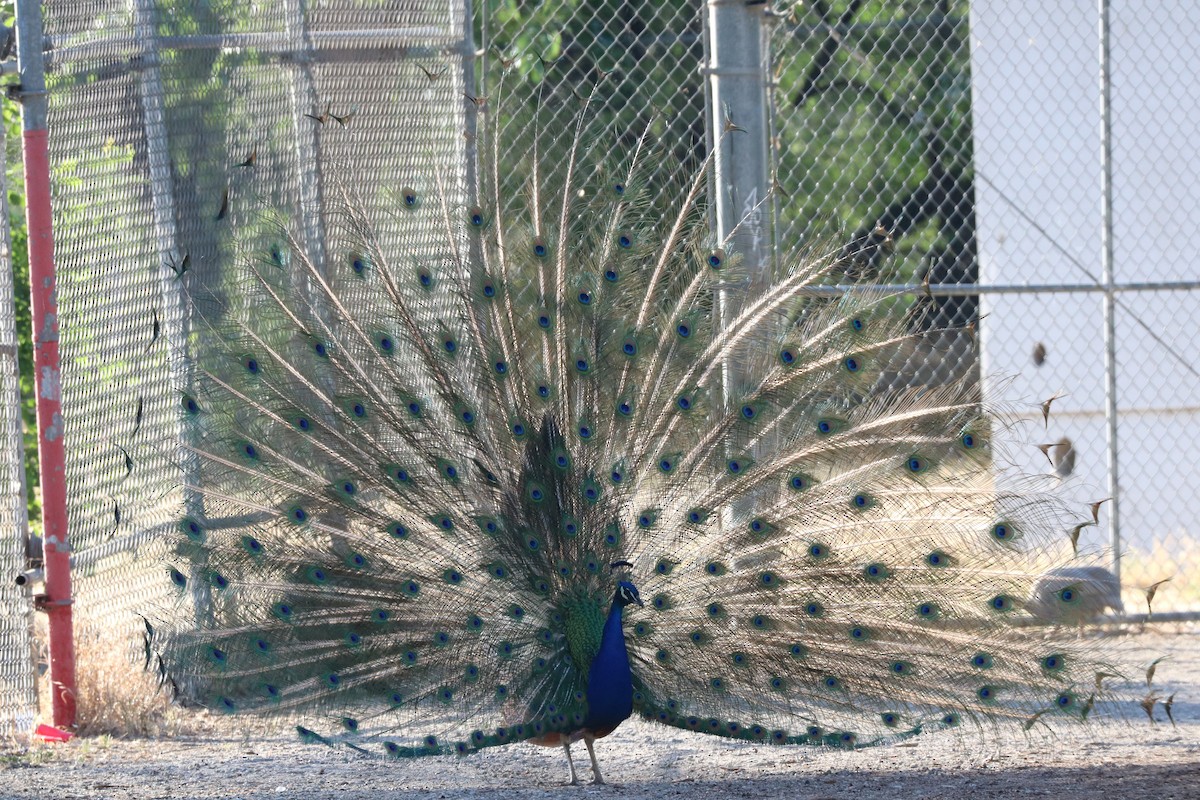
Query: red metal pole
{"type": "Point", "coordinates": [48, 375]}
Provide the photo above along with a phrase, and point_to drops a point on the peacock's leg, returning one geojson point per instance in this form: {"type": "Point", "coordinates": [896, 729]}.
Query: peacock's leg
{"type": "Point", "coordinates": [570, 763]}
{"type": "Point", "coordinates": [587, 740]}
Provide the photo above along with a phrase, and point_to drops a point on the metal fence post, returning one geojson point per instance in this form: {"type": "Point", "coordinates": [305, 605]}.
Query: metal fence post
{"type": "Point", "coordinates": [737, 88]}
{"type": "Point", "coordinates": [57, 600]}
{"type": "Point", "coordinates": [1108, 278]}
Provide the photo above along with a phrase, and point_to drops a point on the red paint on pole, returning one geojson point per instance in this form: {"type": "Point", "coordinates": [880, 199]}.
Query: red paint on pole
{"type": "Point", "coordinates": [48, 373]}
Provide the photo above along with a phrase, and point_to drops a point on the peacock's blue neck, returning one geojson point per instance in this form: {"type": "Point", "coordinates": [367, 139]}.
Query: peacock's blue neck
{"type": "Point", "coordinates": [610, 681]}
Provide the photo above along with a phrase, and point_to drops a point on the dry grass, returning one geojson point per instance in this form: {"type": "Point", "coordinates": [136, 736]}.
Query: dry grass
{"type": "Point", "coordinates": [116, 696]}
{"type": "Point", "coordinates": [1177, 559]}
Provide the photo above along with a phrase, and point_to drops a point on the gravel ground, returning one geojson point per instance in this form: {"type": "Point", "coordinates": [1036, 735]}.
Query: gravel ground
{"type": "Point", "coordinates": [1112, 759]}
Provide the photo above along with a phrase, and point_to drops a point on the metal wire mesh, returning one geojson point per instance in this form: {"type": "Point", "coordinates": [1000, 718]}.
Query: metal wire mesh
{"type": "Point", "coordinates": [1082, 129]}
{"type": "Point", "coordinates": [637, 62]}
{"type": "Point", "coordinates": [896, 119]}
{"type": "Point", "coordinates": [18, 698]}
{"type": "Point", "coordinates": [169, 121]}
{"type": "Point", "coordinates": [973, 134]}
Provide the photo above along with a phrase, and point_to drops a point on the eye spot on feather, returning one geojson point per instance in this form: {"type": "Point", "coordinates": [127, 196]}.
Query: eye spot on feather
{"type": "Point", "coordinates": [876, 572]}
{"type": "Point", "coordinates": [928, 611]}
{"type": "Point", "coordinates": [1002, 603]}
{"type": "Point", "coordinates": [1053, 663]}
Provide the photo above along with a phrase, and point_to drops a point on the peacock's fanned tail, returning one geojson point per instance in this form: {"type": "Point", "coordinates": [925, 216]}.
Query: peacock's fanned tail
{"type": "Point", "coordinates": [413, 459]}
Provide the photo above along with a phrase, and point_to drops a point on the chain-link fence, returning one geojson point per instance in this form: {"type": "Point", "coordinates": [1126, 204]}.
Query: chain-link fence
{"type": "Point", "coordinates": [18, 699]}
{"type": "Point", "coordinates": [170, 121]}
{"type": "Point", "coordinates": [1083, 130]}
{"type": "Point", "coordinates": [979, 138]}
{"type": "Point", "coordinates": [1041, 153]}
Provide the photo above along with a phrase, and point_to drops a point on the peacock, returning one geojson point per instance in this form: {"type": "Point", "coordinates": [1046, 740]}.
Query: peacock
{"type": "Point", "coordinates": [567, 460]}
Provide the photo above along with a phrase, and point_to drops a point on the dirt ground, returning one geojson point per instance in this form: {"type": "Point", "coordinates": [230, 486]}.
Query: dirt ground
{"type": "Point", "coordinates": [1111, 759]}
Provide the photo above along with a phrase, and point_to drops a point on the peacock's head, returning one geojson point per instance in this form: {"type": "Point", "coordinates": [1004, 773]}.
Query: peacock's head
{"type": "Point", "coordinates": [626, 594]}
